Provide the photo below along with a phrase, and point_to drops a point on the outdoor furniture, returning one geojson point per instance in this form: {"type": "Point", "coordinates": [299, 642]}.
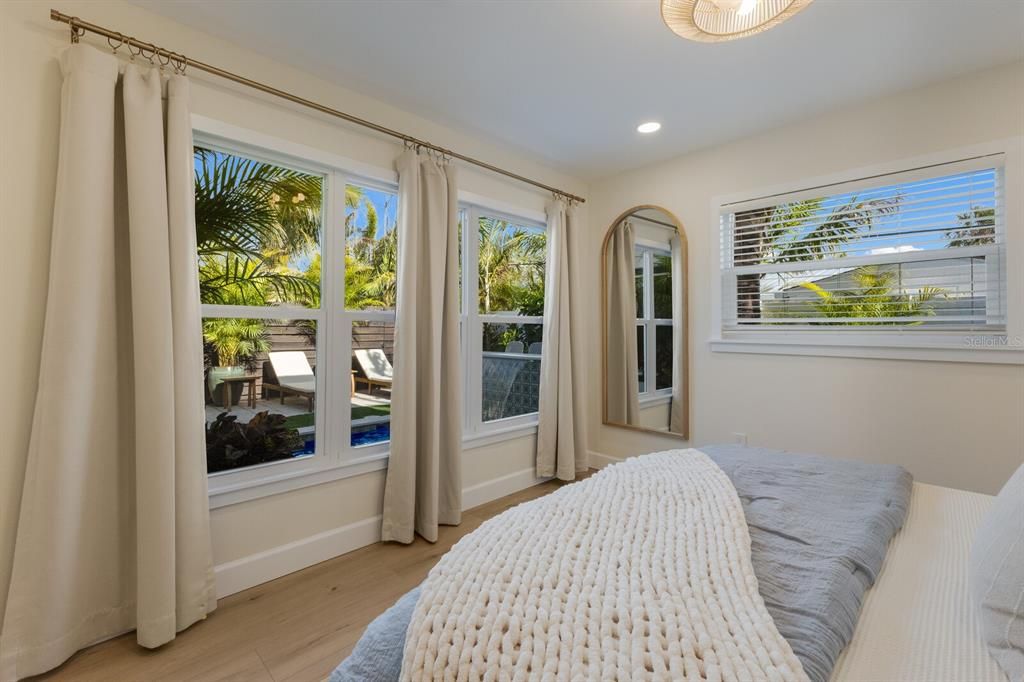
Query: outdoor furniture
{"type": "Point", "coordinates": [289, 373]}
{"type": "Point", "coordinates": [249, 380]}
{"type": "Point", "coordinates": [377, 370]}
{"type": "Point", "coordinates": [514, 347]}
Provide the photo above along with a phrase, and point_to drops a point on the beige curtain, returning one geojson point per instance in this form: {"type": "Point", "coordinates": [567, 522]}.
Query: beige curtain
{"type": "Point", "coordinates": [424, 481]}
{"type": "Point", "coordinates": [561, 434]}
{"type": "Point", "coordinates": [623, 384]}
{"type": "Point", "coordinates": [113, 532]}
{"type": "Point", "coordinates": [678, 410]}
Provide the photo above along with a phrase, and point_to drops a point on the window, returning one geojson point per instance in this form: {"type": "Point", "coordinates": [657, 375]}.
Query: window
{"type": "Point", "coordinates": [654, 318]}
{"type": "Point", "coordinates": [371, 266]}
{"type": "Point", "coordinates": [298, 281]}
{"type": "Point", "coordinates": [503, 319]}
{"type": "Point", "coordinates": [911, 254]}
{"type": "Point", "coordinates": [258, 234]}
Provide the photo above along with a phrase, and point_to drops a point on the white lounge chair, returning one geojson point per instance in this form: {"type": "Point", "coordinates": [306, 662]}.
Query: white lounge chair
{"type": "Point", "coordinates": [290, 374]}
{"type": "Point", "coordinates": [377, 370]}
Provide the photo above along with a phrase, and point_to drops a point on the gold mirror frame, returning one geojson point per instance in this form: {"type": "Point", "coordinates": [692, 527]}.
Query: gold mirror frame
{"type": "Point", "coordinates": [681, 231]}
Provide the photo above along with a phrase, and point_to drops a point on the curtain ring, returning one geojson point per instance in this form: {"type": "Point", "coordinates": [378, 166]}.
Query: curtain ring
{"type": "Point", "coordinates": [164, 58]}
{"type": "Point", "coordinates": [115, 47]}
{"type": "Point", "coordinates": [152, 51]}
{"type": "Point", "coordinates": [76, 30]}
{"type": "Point", "coordinates": [180, 62]}
{"type": "Point", "coordinates": [132, 50]}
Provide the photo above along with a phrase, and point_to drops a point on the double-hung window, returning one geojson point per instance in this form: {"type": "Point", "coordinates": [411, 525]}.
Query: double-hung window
{"type": "Point", "coordinates": [298, 267]}
{"type": "Point", "coordinates": [916, 257]}
{"type": "Point", "coordinates": [503, 316]}
{"type": "Point", "coordinates": [653, 266]}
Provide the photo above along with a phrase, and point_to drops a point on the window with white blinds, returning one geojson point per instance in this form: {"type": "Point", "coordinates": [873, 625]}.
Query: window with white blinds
{"type": "Point", "coordinates": [916, 250]}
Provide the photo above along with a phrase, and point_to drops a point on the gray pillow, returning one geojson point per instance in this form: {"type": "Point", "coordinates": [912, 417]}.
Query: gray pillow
{"type": "Point", "coordinates": [378, 655]}
{"type": "Point", "coordinates": [997, 577]}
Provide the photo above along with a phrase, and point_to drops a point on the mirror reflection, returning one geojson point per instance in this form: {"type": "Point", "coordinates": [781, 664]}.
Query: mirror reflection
{"type": "Point", "coordinates": [645, 327]}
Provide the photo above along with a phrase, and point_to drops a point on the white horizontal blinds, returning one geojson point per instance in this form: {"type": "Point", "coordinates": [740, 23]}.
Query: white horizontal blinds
{"type": "Point", "coordinates": [917, 250]}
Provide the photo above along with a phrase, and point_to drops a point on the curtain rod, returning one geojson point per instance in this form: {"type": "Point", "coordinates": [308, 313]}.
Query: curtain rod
{"type": "Point", "coordinates": [180, 62]}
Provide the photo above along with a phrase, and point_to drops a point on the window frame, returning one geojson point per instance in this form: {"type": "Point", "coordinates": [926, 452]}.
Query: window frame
{"type": "Point", "coordinates": [651, 395]}
{"type": "Point", "coordinates": [472, 322]}
{"type": "Point", "coordinates": [334, 457]}
{"type": "Point", "coordinates": [989, 346]}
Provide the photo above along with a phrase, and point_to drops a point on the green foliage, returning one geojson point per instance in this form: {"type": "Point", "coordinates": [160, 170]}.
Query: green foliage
{"type": "Point", "coordinates": [265, 438]}
{"type": "Point", "coordinates": [235, 341]}
{"type": "Point", "coordinates": [789, 240]}
{"type": "Point", "coordinates": [977, 228]}
{"type": "Point", "coordinates": [251, 217]}
{"type": "Point", "coordinates": [873, 297]}
{"type": "Point", "coordinates": [511, 271]}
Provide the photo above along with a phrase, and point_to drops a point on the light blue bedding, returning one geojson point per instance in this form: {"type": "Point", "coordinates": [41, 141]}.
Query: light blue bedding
{"type": "Point", "coordinates": [819, 530]}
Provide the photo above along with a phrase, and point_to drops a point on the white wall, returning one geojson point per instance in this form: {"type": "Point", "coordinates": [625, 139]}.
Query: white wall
{"type": "Point", "coordinates": [953, 424]}
{"type": "Point", "coordinates": [30, 81]}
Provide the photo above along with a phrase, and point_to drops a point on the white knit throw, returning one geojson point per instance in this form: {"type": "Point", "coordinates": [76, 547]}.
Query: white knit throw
{"type": "Point", "coordinates": [640, 572]}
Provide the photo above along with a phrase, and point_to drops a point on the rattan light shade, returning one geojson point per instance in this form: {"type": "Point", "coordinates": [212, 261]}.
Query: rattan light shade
{"type": "Point", "coordinates": [713, 21]}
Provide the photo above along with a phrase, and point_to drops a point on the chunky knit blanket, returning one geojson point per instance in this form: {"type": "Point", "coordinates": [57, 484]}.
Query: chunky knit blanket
{"type": "Point", "coordinates": [640, 572]}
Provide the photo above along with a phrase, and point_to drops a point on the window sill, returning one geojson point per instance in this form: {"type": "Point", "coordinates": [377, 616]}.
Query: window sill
{"type": "Point", "coordinates": [654, 400]}
{"type": "Point", "coordinates": [282, 479]}
{"type": "Point", "coordinates": [978, 348]}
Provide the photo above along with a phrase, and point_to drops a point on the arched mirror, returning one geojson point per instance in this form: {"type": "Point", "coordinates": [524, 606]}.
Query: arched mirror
{"type": "Point", "coordinates": [646, 378]}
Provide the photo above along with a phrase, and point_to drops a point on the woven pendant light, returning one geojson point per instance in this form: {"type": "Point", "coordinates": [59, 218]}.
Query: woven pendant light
{"type": "Point", "coordinates": [712, 21]}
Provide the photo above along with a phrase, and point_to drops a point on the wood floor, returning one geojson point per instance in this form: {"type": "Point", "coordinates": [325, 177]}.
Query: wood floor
{"type": "Point", "coordinates": [296, 628]}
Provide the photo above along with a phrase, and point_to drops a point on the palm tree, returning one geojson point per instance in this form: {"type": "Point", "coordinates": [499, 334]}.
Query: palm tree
{"type": "Point", "coordinates": [873, 297]}
{"type": "Point", "coordinates": [977, 227]}
{"type": "Point", "coordinates": [795, 232]}
{"type": "Point", "coordinates": [250, 218]}
{"type": "Point", "coordinates": [511, 269]}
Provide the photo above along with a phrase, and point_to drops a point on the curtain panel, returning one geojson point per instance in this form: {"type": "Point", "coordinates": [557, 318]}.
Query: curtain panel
{"type": "Point", "coordinates": [679, 407]}
{"type": "Point", "coordinates": [622, 379]}
{"type": "Point", "coordinates": [113, 530]}
{"type": "Point", "coordinates": [561, 432]}
{"type": "Point", "coordinates": [424, 480]}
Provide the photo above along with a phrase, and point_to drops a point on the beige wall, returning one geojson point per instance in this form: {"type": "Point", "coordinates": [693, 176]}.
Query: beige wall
{"type": "Point", "coordinates": [959, 425]}
{"type": "Point", "coordinates": [30, 81]}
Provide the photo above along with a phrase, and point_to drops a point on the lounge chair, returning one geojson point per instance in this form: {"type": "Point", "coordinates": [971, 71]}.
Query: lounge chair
{"type": "Point", "coordinates": [514, 347]}
{"type": "Point", "coordinates": [377, 370]}
{"type": "Point", "coordinates": [289, 373]}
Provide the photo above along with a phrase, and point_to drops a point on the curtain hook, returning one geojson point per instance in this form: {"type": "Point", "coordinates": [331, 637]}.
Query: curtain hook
{"type": "Point", "coordinates": [132, 50]}
{"type": "Point", "coordinates": [164, 58]}
{"type": "Point", "coordinates": [76, 30]}
{"type": "Point", "coordinates": [181, 64]}
{"type": "Point", "coordinates": [120, 41]}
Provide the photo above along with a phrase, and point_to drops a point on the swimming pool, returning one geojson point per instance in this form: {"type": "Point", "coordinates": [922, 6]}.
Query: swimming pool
{"type": "Point", "coordinates": [368, 435]}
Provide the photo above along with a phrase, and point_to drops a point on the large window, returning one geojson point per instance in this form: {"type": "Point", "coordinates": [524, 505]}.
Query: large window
{"type": "Point", "coordinates": [298, 279]}
{"type": "Point", "coordinates": [906, 253]}
{"type": "Point", "coordinates": [258, 233]}
{"type": "Point", "coordinates": [503, 318]}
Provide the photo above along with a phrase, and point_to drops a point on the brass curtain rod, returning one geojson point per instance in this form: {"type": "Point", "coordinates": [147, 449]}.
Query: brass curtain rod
{"type": "Point", "coordinates": [180, 62]}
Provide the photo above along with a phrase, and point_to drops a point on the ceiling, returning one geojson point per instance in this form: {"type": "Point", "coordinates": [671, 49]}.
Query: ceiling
{"type": "Point", "coordinates": [569, 80]}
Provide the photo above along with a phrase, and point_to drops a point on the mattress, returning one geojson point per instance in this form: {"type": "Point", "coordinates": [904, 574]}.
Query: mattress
{"type": "Point", "coordinates": [918, 623]}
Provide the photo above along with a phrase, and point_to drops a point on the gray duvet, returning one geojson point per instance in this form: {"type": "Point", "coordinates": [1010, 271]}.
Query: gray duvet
{"type": "Point", "coordinates": [819, 529]}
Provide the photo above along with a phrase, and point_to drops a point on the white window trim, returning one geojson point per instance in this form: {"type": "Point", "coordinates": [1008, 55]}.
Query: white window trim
{"type": "Point", "coordinates": [235, 486]}
{"type": "Point", "coordinates": [1003, 347]}
{"type": "Point", "coordinates": [472, 321]}
{"type": "Point", "coordinates": [651, 396]}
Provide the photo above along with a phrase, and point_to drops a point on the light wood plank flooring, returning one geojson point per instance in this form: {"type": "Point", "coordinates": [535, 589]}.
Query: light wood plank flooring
{"type": "Point", "coordinates": [296, 628]}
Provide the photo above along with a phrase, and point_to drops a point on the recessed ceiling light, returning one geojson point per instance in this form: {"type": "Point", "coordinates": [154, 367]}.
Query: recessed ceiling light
{"type": "Point", "coordinates": [649, 127]}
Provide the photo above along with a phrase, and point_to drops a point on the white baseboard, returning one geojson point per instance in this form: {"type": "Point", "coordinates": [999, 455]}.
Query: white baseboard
{"type": "Point", "coordinates": [599, 460]}
{"type": "Point", "coordinates": [482, 493]}
{"type": "Point", "coordinates": [249, 571]}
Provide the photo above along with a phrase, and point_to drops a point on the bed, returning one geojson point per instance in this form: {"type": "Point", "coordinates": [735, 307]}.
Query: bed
{"type": "Point", "coordinates": [819, 531]}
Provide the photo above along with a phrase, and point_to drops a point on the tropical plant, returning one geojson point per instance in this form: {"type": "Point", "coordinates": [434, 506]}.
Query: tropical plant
{"type": "Point", "coordinates": [251, 217]}
{"type": "Point", "coordinates": [873, 297]}
{"type": "Point", "coordinates": [511, 272]}
{"type": "Point", "coordinates": [799, 231]}
{"type": "Point", "coordinates": [235, 341]}
{"type": "Point", "coordinates": [265, 438]}
{"type": "Point", "coordinates": [977, 227]}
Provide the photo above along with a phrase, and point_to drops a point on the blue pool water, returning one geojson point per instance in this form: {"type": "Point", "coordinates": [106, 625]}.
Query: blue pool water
{"type": "Point", "coordinates": [378, 433]}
